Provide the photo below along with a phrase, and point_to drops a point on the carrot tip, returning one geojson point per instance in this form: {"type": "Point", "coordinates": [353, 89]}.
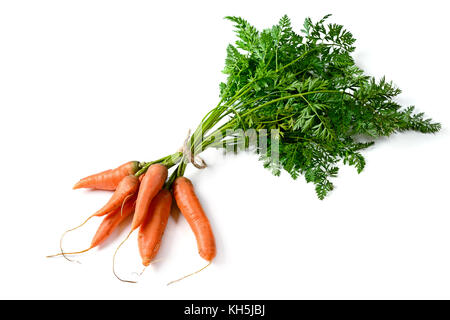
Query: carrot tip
{"type": "Point", "coordinates": [146, 262]}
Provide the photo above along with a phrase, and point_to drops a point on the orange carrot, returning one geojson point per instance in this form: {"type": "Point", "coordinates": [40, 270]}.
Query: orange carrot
{"type": "Point", "coordinates": [109, 179]}
{"type": "Point", "coordinates": [190, 207]}
{"type": "Point", "coordinates": [112, 220]}
{"type": "Point", "coordinates": [152, 229]}
{"type": "Point", "coordinates": [152, 182]}
{"type": "Point", "coordinates": [109, 223]}
{"type": "Point", "coordinates": [127, 187]}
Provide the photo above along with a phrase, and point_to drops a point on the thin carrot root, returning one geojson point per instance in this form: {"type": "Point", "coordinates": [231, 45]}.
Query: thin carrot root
{"type": "Point", "coordinates": [114, 260]}
{"type": "Point", "coordinates": [139, 274]}
{"type": "Point", "coordinates": [67, 253]}
{"type": "Point", "coordinates": [62, 253]}
{"type": "Point", "coordinates": [62, 237]}
{"type": "Point", "coordinates": [191, 274]}
{"type": "Point", "coordinates": [123, 203]}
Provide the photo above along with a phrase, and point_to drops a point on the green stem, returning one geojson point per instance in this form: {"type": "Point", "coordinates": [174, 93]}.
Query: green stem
{"type": "Point", "coordinates": [168, 161]}
{"type": "Point", "coordinates": [288, 97]}
{"type": "Point", "coordinates": [296, 59]}
{"type": "Point", "coordinates": [178, 172]}
{"type": "Point", "coordinates": [197, 140]}
{"type": "Point", "coordinates": [231, 122]}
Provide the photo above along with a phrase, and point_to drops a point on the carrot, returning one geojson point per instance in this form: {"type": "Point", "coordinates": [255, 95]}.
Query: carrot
{"type": "Point", "coordinates": [152, 229]}
{"type": "Point", "coordinates": [109, 179]}
{"type": "Point", "coordinates": [127, 187]}
{"type": "Point", "coordinates": [152, 182]}
{"type": "Point", "coordinates": [191, 209]}
{"type": "Point", "coordinates": [109, 223]}
{"type": "Point", "coordinates": [112, 220]}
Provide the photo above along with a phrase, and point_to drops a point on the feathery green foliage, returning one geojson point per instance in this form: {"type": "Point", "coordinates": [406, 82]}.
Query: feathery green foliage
{"type": "Point", "coordinates": [307, 86]}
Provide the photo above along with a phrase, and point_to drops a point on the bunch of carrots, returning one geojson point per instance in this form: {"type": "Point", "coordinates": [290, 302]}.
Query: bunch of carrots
{"type": "Point", "coordinates": [304, 86]}
{"type": "Point", "coordinates": [143, 190]}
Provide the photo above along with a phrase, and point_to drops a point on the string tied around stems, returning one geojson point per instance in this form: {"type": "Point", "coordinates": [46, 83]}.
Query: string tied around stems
{"type": "Point", "coordinates": [196, 161]}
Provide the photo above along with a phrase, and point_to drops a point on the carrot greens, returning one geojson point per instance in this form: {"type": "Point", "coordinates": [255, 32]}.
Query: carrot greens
{"type": "Point", "coordinates": [307, 86]}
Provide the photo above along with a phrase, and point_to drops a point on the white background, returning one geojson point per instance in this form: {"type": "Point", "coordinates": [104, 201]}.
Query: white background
{"type": "Point", "coordinates": [88, 85]}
